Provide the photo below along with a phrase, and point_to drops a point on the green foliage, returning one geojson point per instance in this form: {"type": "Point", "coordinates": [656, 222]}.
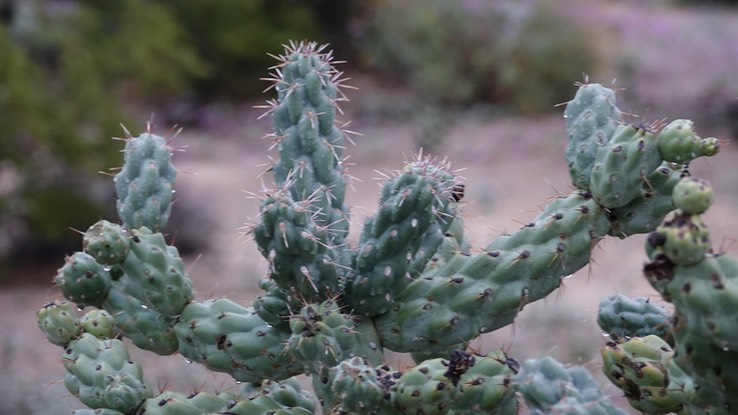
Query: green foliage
{"type": "Point", "coordinates": [63, 77]}
{"type": "Point", "coordinates": [233, 37]}
{"type": "Point", "coordinates": [462, 51]}
{"type": "Point", "coordinates": [329, 310]}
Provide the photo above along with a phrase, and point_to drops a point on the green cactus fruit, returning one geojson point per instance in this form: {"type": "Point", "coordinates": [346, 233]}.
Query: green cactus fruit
{"type": "Point", "coordinates": [638, 367]}
{"type": "Point", "coordinates": [591, 119]}
{"type": "Point", "coordinates": [549, 388]}
{"type": "Point", "coordinates": [679, 143]}
{"type": "Point", "coordinates": [355, 387]}
{"type": "Point", "coordinates": [471, 295]}
{"type": "Point", "coordinates": [487, 387]}
{"type": "Point", "coordinates": [427, 389]}
{"type": "Point", "coordinates": [416, 207]}
{"type": "Point", "coordinates": [693, 196]}
{"type": "Point", "coordinates": [83, 280]}
{"type": "Point", "coordinates": [229, 338]}
{"type": "Point", "coordinates": [145, 183]}
{"type": "Point", "coordinates": [623, 165]}
{"type": "Point", "coordinates": [59, 322]}
{"type": "Point", "coordinates": [100, 373]}
{"type": "Point", "coordinates": [154, 273]}
{"type": "Point", "coordinates": [683, 238]}
{"type": "Point", "coordinates": [623, 317]}
{"type": "Point", "coordinates": [147, 329]}
{"type": "Point", "coordinates": [99, 323]}
{"type": "Point", "coordinates": [106, 242]}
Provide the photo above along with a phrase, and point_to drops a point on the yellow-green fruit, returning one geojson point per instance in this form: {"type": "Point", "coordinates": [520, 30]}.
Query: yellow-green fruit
{"type": "Point", "coordinates": [58, 321]}
{"type": "Point", "coordinates": [99, 323]}
{"type": "Point", "coordinates": [693, 196]}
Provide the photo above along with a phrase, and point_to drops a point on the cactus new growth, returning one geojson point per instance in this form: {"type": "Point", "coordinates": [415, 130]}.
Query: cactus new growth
{"type": "Point", "coordinates": [411, 284]}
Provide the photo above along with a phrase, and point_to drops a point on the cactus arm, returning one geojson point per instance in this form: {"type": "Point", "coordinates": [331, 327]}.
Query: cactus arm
{"type": "Point", "coordinates": [470, 295]}
{"type": "Point", "coordinates": [415, 210]}
{"type": "Point", "coordinates": [145, 183]}
{"type": "Point", "coordinates": [591, 119]}
{"type": "Point", "coordinates": [305, 222]}
{"type": "Point", "coordinates": [549, 388]}
{"type": "Point", "coordinates": [230, 338]}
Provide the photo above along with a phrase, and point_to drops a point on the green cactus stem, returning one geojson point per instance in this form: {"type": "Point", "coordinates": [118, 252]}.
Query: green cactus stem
{"type": "Point", "coordinates": [411, 284]}
{"type": "Point", "coordinates": [623, 317]}
{"type": "Point", "coordinates": [549, 388]}
{"type": "Point", "coordinates": [145, 183]}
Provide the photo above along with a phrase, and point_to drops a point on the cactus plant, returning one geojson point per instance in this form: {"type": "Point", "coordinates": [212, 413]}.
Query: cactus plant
{"type": "Point", "coordinates": [329, 310]}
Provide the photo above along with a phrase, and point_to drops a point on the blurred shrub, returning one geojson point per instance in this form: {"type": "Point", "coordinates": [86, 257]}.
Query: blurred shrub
{"type": "Point", "coordinates": [519, 53]}
{"type": "Point", "coordinates": [235, 36]}
{"type": "Point", "coordinates": [66, 69]}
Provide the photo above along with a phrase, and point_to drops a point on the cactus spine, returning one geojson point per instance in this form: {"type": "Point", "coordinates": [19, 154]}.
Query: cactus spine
{"type": "Point", "coordinates": [410, 285]}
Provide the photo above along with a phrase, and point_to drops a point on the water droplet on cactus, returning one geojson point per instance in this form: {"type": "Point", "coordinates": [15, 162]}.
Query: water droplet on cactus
{"type": "Point", "coordinates": [144, 307]}
{"type": "Point", "coordinates": [107, 268]}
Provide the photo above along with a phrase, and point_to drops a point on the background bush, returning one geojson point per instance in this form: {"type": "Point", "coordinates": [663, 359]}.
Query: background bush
{"type": "Point", "coordinates": [72, 71]}
{"type": "Point", "coordinates": [519, 54]}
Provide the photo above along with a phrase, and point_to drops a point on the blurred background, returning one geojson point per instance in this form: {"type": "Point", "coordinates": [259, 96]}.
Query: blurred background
{"type": "Point", "coordinates": [476, 80]}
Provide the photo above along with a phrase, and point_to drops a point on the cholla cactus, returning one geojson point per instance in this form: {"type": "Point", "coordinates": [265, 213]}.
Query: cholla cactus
{"type": "Point", "coordinates": [410, 285]}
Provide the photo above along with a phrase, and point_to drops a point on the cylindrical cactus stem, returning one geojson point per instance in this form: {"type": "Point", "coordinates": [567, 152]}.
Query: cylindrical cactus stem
{"type": "Point", "coordinates": [622, 166]}
{"type": "Point", "coordinates": [644, 213]}
{"type": "Point", "coordinates": [229, 338]}
{"type": "Point", "coordinates": [302, 259]}
{"type": "Point", "coordinates": [549, 388]}
{"type": "Point", "coordinates": [471, 295]}
{"type": "Point", "coordinates": [285, 397]}
{"type": "Point", "coordinates": [100, 373]}
{"type": "Point", "coordinates": [703, 286]}
{"type": "Point", "coordinates": [154, 274]}
{"type": "Point", "coordinates": [591, 119]}
{"type": "Point", "coordinates": [415, 209]}
{"type": "Point", "coordinates": [305, 222]}
{"type": "Point", "coordinates": [147, 328]}
{"type": "Point", "coordinates": [276, 305]}
{"type": "Point", "coordinates": [323, 336]}
{"type": "Point", "coordinates": [310, 144]}
{"type": "Point", "coordinates": [622, 317]}
{"type": "Point", "coordinates": [145, 183]}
